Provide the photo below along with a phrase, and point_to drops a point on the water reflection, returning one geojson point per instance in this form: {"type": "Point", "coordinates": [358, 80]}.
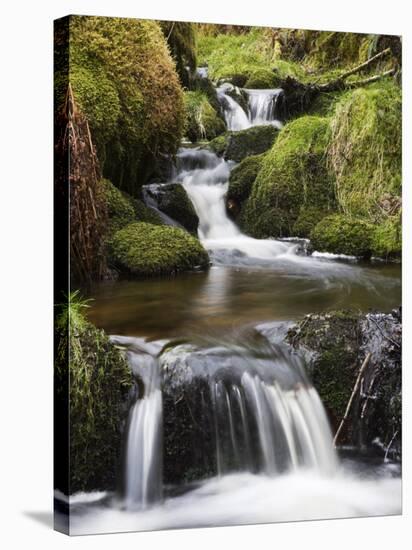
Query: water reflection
{"type": "Point", "coordinates": [229, 296]}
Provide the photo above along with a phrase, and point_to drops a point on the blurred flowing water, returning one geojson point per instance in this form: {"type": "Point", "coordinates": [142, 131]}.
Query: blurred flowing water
{"type": "Point", "coordinates": [273, 458]}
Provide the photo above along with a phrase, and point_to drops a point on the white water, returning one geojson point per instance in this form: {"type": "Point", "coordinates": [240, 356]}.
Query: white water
{"type": "Point", "coordinates": [245, 498]}
{"type": "Point", "coordinates": [261, 108]}
{"type": "Point", "coordinates": [143, 469]}
{"type": "Point", "coordinates": [205, 178]}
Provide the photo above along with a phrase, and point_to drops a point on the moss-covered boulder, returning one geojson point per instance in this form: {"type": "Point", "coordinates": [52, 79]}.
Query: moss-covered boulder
{"type": "Point", "coordinates": [293, 176]}
{"type": "Point", "coordinates": [202, 120]}
{"type": "Point", "coordinates": [241, 181]}
{"type": "Point", "coordinates": [387, 238]}
{"type": "Point", "coordinates": [339, 342]}
{"type": "Point", "coordinates": [98, 379]}
{"type": "Point", "coordinates": [124, 209]}
{"type": "Point", "coordinates": [172, 199]}
{"type": "Point", "coordinates": [238, 145]}
{"type": "Point", "coordinates": [365, 150]}
{"type": "Point", "coordinates": [341, 234]}
{"type": "Point", "coordinates": [262, 79]}
{"type": "Point", "coordinates": [125, 81]}
{"type": "Point", "coordinates": [143, 249]}
{"type": "Point", "coordinates": [335, 338]}
{"type": "Point", "coordinates": [309, 217]}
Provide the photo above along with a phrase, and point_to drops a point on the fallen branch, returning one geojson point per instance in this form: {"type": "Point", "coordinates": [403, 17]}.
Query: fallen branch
{"type": "Point", "coordinates": [355, 389]}
{"type": "Point", "coordinates": [365, 64]}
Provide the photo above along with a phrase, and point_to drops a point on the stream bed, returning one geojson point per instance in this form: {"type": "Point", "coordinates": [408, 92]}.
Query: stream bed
{"type": "Point", "coordinates": [258, 397]}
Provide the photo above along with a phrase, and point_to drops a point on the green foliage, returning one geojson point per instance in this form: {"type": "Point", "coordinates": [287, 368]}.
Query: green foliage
{"type": "Point", "coordinates": [142, 249]}
{"type": "Point", "coordinates": [125, 82]}
{"type": "Point", "coordinates": [261, 79]}
{"type": "Point", "coordinates": [343, 235]}
{"type": "Point", "coordinates": [99, 380]}
{"type": "Point", "coordinates": [182, 41]}
{"type": "Point", "coordinates": [387, 238]}
{"type": "Point", "coordinates": [365, 149]}
{"type": "Point", "coordinates": [238, 57]}
{"type": "Point", "coordinates": [123, 209]}
{"type": "Point", "coordinates": [120, 210]}
{"type": "Point", "coordinates": [293, 176]}
{"type": "Point", "coordinates": [308, 218]}
{"type": "Point", "coordinates": [243, 176]}
{"type": "Point", "coordinates": [337, 48]}
{"type": "Point", "coordinates": [202, 121]}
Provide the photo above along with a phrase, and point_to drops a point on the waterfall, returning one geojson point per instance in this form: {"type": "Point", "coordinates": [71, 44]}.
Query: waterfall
{"type": "Point", "coordinates": [262, 413]}
{"type": "Point", "coordinates": [143, 460]}
{"type": "Point", "coordinates": [262, 107]}
{"type": "Point", "coordinates": [205, 178]}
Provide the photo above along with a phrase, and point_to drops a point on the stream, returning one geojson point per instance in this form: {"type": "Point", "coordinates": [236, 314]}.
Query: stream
{"type": "Point", "coordinates": [266, 433]}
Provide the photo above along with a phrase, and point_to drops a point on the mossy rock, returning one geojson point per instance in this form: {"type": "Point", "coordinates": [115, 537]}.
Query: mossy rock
{"type": "Point", "coordinates": [387, 238]}
{"type": "Point", "coordinates": [129, 116]}
{"type": "Point", "coordinates": [308, 218]}
{"type": "Point", "coordinates": [338, 342]}
{"type": "Point", "coordinates": [172, 199]}
{"type": "Point", "coordinates": [293, 176]}
{"type": "Point", "coordinates": [202, 120]}
{"type": "Point", "coordinates": [340, 234]}
{"type": "Point", "coordinates": [99, 384]}
{"type": "Point", "coordinates": [219, 144]}
{"type": "Point", "coordinates": [124, 209]}
{"type": "Point", "coordinates": [144, 250]}
{"type": "Point", "coordinates": [262, 79]}
{"type": "Point", "coordinates": [238, 145]}
{"type": "Point", "coordinates": [365, 151]}
{"type": "Point", "coordinates": [241, 181]}
{"type": "Point", "coordinates": [335, 337]}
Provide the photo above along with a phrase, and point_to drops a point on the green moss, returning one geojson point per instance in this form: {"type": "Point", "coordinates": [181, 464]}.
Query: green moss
{"type": "Point", "coordinates": [243, 176]}
{"type": "Point", "coordinates": [119, 208]}
{"type": "Point", "coordinates": [387, 238]}
{"type": "Point", "coordinates": [294, 175]}
{"type": "Point", "coordinates": [124, 209]}
{"type": "Point", "coordinates": [202, 121]}
{"type": "Point", "coordinates": [365, 149]}
{"type": "Point", "coordinates": [218, 145]}
{"type": "Point", "coordinates": [335, 337]}
{"type": "Point", "coordinates": [125, 81]}
{"type": "Point", "coordinates": [143, 249]}
{"type": "Point", "coordinates": [261, 79]}
{"type": "Point", "coordinates": [253, 141]}
{"type": "Point", "coordinates": [308, 218]}
{"type": "Point", "coordinates": [343, 235]}
{"type": "Point", "coordinates": [337, 48]}
{"type": "Point", "coordinates": [238, 57]}
{"type": "Point", "coordinates": [99, 379]}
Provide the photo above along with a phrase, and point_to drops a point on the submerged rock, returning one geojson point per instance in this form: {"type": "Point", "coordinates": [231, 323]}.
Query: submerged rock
{"type": "Point", "coordinates": [338, 343]}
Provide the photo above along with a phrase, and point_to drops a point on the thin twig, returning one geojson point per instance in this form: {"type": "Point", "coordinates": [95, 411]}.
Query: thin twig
{"type": "Point", "coordinates": [355, 389]}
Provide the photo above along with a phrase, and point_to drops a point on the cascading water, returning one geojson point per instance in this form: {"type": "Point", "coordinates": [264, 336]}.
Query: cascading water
{"type": "Point", "coordinates": [238, 418]}
{"type": "Point", "coordinates": [262, 107]}
{"type": "Point", "coordinates": [258, 409]}
{"type": "Point", "coordinates": [143, 463]}
{"type": "Point", "coordinates": [205, 177]}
